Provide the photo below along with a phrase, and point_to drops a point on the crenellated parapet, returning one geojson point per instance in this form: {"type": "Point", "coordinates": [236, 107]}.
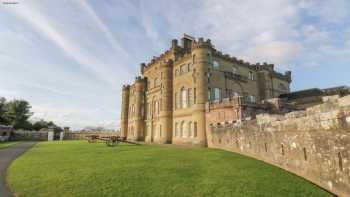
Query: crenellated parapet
{"type": "Point", "coordinates": [201, 43]}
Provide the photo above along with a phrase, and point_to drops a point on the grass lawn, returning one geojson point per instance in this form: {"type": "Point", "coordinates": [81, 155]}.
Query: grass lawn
{"type": "Point", "coordinates": [7, 144]}
{"type": "Point", "coordinates": [76, 168]}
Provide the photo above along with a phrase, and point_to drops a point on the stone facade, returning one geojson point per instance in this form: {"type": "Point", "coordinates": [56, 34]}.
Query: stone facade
{"type": "Point", "coordinates": [167, 103]}
{"type": "Point", "coordinates": [314, 143]}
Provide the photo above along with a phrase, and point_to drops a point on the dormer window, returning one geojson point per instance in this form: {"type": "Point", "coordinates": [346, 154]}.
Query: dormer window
{"type": "Point", "coordinates": [216, 65]}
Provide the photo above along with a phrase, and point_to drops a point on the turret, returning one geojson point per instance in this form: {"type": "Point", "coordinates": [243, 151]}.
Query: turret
{"type": "Point", "coordinates": [202, 61]}
{"type": "Point", "coordinates": [166, 102]}
{"type": "Point", "coordinates": [125, 111]}
{"type": "Point", "coordinates": [140, 85]}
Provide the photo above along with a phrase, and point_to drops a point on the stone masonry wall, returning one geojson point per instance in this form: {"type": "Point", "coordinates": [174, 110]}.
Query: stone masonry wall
{"type": "Point", "coordinates": [314, 143]}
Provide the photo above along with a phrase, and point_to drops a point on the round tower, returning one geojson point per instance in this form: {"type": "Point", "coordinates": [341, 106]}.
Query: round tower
{"type": "Point", "coordinates": [165, 115]}
{"type": "Point", "coordinates": [124, 111]}
{"type": "Point", "coordinates": [139, 108]}
{"type": "Point", "coordinates": [202, 61]}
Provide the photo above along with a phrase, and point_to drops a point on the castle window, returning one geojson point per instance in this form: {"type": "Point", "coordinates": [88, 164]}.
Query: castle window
{"type": "Point", "coordinates": [189, 66]}
{"type": "Point", "coordinates": [190, 129]}
{"type": "Point", "coordinates": [177, 72]}
{"type": "Point", "coordinates": [176, 101]}
{"type": "Point", "coordinates": [282, 87]}
{"type": "Point", "coordinates": [182, 129]}
{"type": "Point", "coordinates": [194, 96]}
{"type": "Point", "coordinates": [340, 161]}
{"type": "Point", "coordinates": [183, 69]}
{"type": "Point", "coordinates": [216, 65]}
{"type": "Point", "coordinates": [156, 81]}
{"type": "Point", "coordinates": [176, 129]}
{"type": "Point", "coordinates": [195, 129]}
{"type": "Point", "coordinates": [217, 93]}
{"type": "Point", "coordinates": [305, 155]}
{"type": "Point", "coordinates": [252, 98]}
{"type": "Point", "coordinates": [209, 94]}
{"type": "Point", "coordinates": [251, 75]}
{"type": "Point", "coordinates": [190, 96]}
{"type": "Point", "coordinates": [160, 130]}
{"type": "Point", "coordinates": [184, 98]}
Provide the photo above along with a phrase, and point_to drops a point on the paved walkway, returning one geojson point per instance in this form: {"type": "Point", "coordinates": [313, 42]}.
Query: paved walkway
{"type": "Point", "coordinates": [7, 155]}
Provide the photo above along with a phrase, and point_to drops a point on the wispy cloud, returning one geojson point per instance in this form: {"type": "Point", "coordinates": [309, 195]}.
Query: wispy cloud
{"type": "Point", "coordinates": [44, 26]}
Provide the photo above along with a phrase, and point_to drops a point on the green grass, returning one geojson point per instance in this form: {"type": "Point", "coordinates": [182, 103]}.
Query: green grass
{"type": "Point", "coordinates": [76, 168]}
{"type": "Point", "coordinates": [7, 144]}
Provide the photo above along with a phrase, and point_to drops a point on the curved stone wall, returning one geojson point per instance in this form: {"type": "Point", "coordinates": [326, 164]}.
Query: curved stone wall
{"type": "Point", "coordinates": [314, 144]}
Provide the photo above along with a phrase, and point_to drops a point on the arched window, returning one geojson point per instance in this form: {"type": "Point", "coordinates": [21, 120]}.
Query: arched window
{"type": "Point", "coordinates": [183, 98]}
{"type": "Point", "coordinates": [182, 128]}
{"type": "Point", "coordinates": [189, 129]}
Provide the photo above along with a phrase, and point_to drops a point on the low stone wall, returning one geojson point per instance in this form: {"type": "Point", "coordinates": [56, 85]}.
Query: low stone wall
{"type": "Point", "coordinates": [314, 144]}
{"type": "Point", "coordinates": [29, 135]}
{"type": "Point", "coordinates": [82, 135]}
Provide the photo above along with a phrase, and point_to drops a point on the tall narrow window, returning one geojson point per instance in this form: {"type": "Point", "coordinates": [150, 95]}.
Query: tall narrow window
{"type": "Point", "coordinates": [195, 129]}
{"type": "Point", "coordinates": [282, 149]}
{"type": "Point", "coordinates": [176, 101]}
{"type": "Point", "coordinates": [190, 97]}
{"type": "Point", "coordinates": [340, 161]}
{"type": "Point", "coordinates": [251, 75]}
{"type": "Point", "coordinates": [194, 95]}
{"type": "Point", "coordinates": [305, 155]}
{"type": "Point", "coordinates": [184, 98]}
{"type": "Point", "coordinates": [216, 65]}
{"type": "Point", "coordinates": [265, 147]}
{"type": "Point", "coordinates": [209, 94]}
{"type": "Point", "coordinates": [182, 129]}
{"type": "Point", "coordinates": [176, 129]}
{"type": "Point", "coordinates": [190, 129]}
{"type": "Point", "coordinates": [155, 82]}
{"type": "Point", "coordinates": [217, 93]}
{"type": "Point", "coordinates": [189, 66]}
{"type": "Point", "coordinates": [160, 130]}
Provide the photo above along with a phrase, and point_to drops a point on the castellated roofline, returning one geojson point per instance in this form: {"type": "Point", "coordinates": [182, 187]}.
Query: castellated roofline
{"type": "Point", "coordinates": [175, 48]}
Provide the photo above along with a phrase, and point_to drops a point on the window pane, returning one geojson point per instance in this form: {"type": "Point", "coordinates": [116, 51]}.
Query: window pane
{"type": "Point", "coordinates": [215, 64]}
{"type": "Point", "coordinates": [190, 96]}
{"type": "Point", "coordinates": [184, 98]}
{"type": "Point", "coordinates": [217, 93]}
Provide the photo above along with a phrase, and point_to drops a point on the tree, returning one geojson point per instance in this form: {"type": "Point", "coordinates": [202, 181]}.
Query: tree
{"type": "Point", "coordinates": [3, 111]}
{"type": "Point", "coordinates": [17, 114]}
{"type": "Point", "coordinates": [44, 125]}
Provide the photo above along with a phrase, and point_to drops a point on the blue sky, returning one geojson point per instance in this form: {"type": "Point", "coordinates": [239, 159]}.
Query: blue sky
{"type": "Point", "coordinates": [69, 58]}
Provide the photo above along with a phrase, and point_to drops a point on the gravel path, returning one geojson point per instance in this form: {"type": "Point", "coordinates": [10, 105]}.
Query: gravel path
{"type": "Point", "coordinates": [7, 155]}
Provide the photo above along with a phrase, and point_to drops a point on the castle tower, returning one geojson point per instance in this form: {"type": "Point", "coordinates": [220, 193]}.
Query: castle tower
{"type": "Point", "coordinates": [139, 109]}
{"type": "Point", "coordinates": [202, 61]}
{"type": "Point", "coordinates": [125, 111]}
{"type": "Point", "coordinates": [165, 115]}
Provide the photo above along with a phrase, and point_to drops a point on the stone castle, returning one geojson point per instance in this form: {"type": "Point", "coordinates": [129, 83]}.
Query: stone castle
{"type": "Point", "coordinates": [195, 95]}
{"type": "Point", "coordinates": [167, 103]}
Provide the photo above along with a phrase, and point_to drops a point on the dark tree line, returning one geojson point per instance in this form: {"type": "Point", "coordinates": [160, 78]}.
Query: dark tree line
{"type": "Point", "coordinates": [16, 113]}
